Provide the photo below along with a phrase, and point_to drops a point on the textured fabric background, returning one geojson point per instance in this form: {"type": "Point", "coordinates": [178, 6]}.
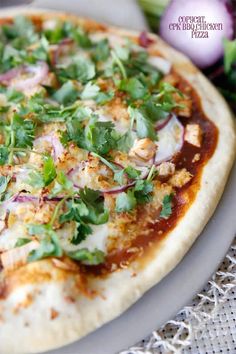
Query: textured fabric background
{"type": "Point", "coordinates": [207, 325]}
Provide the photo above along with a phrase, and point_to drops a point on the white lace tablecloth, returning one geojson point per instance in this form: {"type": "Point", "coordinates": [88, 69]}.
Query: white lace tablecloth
{"type": "Point", "coordinates": [207, 325]}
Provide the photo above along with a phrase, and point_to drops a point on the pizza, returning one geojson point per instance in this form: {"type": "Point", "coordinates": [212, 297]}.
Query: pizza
{"type": "Point", "coordinates": [114, 152]}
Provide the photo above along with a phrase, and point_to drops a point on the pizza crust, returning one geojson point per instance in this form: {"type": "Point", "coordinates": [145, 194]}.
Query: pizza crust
{"type": "Point", "coordinates": [36, 330]}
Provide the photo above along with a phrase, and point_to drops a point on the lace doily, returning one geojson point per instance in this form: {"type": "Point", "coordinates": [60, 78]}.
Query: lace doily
{"type": "Point", "coordinates": [207, 325]}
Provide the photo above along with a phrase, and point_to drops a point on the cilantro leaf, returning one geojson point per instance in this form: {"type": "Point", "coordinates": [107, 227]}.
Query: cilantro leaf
{"type": "Point", "coordinates": [129, 171]}
{"type": "Point", "coordinates": [3, 183]}
{"type": "Point", "coordinates": [49, 170]}
{"type": "Point", "coordinates": [4, 154]}
{"type": "Point", "coordinates": [42, 179]}
{"type": "Point", "coordinates": [101, 51]}
{"type": "Point", "coordinates": [145, 128]}
{"type": "Point", "coordinates": [104, 97]}
{"type": "Point", "coordinates": [82, 70]}
{"type": "Point", "coordinates": [134, 87]}
{"type": "Point", "coordinates": [24, 131]}
{"type": "Point", "coordinates": [49, 244]}
{"type": "Point", "coordinates": [90, 91]}
{"type": "Point", "coordinates": [125, 142]}
{"type": "Point", "coordinates": [81, 37]}
{"type": "Point", "coordinates": [138, 65]}
{"type": "Point", "coordinates": [14, 96]}
{"type": "Point", "coordinates": [166, 206]}
{"type": "Point", "coordinates": [87, 257]}
{"type": "Point", "coordinates": [142, 191]}
{"type": "Point", "coordinates": [62, 184]}
{"type": "Point", "coordinates": [125, 201]}
{"type": "Point", "coordinates": [100, 137]}
{"type": "Point", "coordinates": [94, 201]}
{"type": "Point", "coordinates": [76, 210]}
{"type": "Point", "coordinates": [229, 54]}
{"type": "Point", "coordinates": [153, 111]}
{"type": "Point", "coordinates": [67, 93]}
{"type": "Point", "coordinates": [22, 241]}
{"type": "Point", "coordinates": [21, 32]}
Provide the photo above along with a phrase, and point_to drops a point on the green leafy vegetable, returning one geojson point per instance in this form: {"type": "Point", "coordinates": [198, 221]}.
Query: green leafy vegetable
{"type": "Point", "coordinates": [76, 211]}
{"type": "Point", "coordinates": [129, 171]}
{"type": "Point", "coordinates": [49, 244]}
{"type": "Point", "coordinates": [66, 94]}
{"type": "Point", "coordinates": [3, 184]}
{"type": "Point", "coordinates": [22, 241]}
{"type": "Point", "coordinates": [126, 201]}
{"type": "Point", "coordinates": [87, 257]}
{"type": "Point", "coordinates": [94, 201]}
{"type": "Point", "coordinates": [90, 91]}
{"type": "Point", "coordinates": [4, 155]}
{"type": "Point", "coordinates": [166, 206]}
{"type": "Point", "coordinates": [145, 128]}
{"type": "Point", "coordinates": [229, 54]}
{"type": "Point", "coordinates": [134, 87]}
{"type": "Point", "coordinates": [62, 184]}
{"type": "Point", "coordinates": [23, 130]}
{"type": "Point", "coordinates": [142, 191]}
{"type": "Point", "coordinates": [42, 179]}
{"type": "Point", "coordinates": [82, 70]}
{"type": "Point", "coordinates": [101, 51]}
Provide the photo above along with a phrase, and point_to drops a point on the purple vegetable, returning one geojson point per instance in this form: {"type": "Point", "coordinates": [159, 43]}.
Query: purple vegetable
{"type": "Point", "coordinates": [201, 40]}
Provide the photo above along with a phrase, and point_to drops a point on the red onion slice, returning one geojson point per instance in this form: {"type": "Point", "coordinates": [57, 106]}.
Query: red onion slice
{"type": "Point", "coordinates": [38, 72]}
{"type": "Point", "coordinates": [9, 75]}
{"type": "Point", "coordinates": [57, 146]}
{"type": "Point", "coordinates": [119, 189]}
{"type": "Point", "coordinates": [203, 51]}
{"type": "Point", "coordinates": [163, 122]}
{"type": "Point", "coordinates": [144, 41]}
{"type": "Point", "coordinates": [58, 50]}
{"type": "Point", "coordinates": [170, 140]}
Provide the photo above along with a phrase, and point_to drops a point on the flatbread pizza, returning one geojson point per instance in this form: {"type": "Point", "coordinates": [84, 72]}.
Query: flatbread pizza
{"type": "Point", "coordinates": [114, 152]}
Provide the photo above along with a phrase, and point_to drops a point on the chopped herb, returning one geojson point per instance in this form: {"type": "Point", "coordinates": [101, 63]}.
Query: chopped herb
{"type": "Point", "coordinates": [42, 179]}
{"type": "Point", "coordinates": [88, 257]}
{"type": "Point", "coordinates": [62, 184]}
{"type": "Point", "coordinates": [22, 241]}
{"type": "Point", "coordinates": [142, 191]}
{"type": "Point", "coordinates": [229, 54]}
{"type": "Point", "coordinates": [82, 70]}
{"type": "Point", "coordinates": [166, 206]}
{"type": "Point", "coordinates": [23, 130]}
{"type": "Point", "coordinates": [49, 244]}
{"type": "Point", "coordinates": [94, 201]}
{"type": "Point", "coordinates": [125, 201]}
{"type": "Point", "coordinates": [4, 155]}
{"type": "Point", "coordinates": [101, 51]}
{"type": "Point", "coordinates": [129, 171]}
{"type": "Point", "coordinates": [104, 97]}
{"type": "Point", "coordinates": [90, 91]}
{"type": "Point", "coordinates": [3, 184]}
{"type": "Point", "coordinates": [134, 87]}
{"type": "Point", "coordinates": [145, 128]}
{"type": "Point", "coordinates": [66, 94]}
{"type": "Point", "coordinates": [76, 211]}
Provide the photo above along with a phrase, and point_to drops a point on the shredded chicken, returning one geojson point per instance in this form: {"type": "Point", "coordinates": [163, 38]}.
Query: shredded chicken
{"type": "Point", "coordinates": [143, 149]}
{"type": "Point", "coordinates": [180, 178]}
{"type": "Point", "coordinates": [166, 169]}
{"type": "Point", "coordinates": [193, 134]}
{"type": "Point", "coordinates": [16, 257]}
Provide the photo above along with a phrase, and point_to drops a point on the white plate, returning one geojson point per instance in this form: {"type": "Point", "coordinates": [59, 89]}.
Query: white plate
{"type": "Point", "coordinates": [164, 300]}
